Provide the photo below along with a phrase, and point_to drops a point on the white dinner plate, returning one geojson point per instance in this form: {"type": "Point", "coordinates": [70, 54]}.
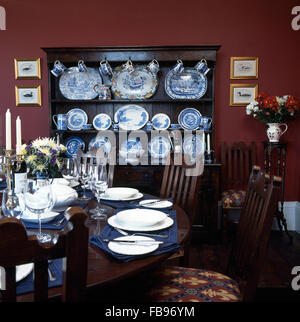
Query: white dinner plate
{"type": "Point", "coordinates": [33, 218]}
{"type": "Point", "coordinates": [21, 272]}
{"type": "Point", "coordinates": [168, 222]}
{"type": "Point", "coordinates": [140, 218]}
{"type": "Point", "coordinates": [158, 205]}
{"type": "Point", "coordinates": [135, 197]}
{"type": "Point", "coordinates": [132, 249]}
{"type": "Point", "coordinates": [120, 192]}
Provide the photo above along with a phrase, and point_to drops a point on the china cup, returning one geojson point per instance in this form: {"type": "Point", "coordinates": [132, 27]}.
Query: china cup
{"type": "Point", "coordinates": [128, 66]}
{"type": "Point", "coordinates": [153, 66]}
{"type": "Point", "coordinates": [206, 123]}
{"type": "Point", "coordinates": [61, 122]}
{"type": "Point", "coordinates": [82, 67]}
{"type": "Point", "coordinates": [178, 68]}
{"type": "Point", "coordinates": [202, 67]}
{"type": "Point", "coordinates": [105, 68]}
{"type": "Point", "coordinates": [58, 68]}
{"type": "Point", "coordinates": [103, 91]}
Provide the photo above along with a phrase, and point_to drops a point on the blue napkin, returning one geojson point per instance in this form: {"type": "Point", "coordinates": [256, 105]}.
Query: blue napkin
{"type": "Point", "coordinates": [26, 285]}
{"type": "Point", "coordinates": [51, 224]}
{"type": "Point", "coordinates": [169, 245]}
{"type": "Point", "coordinates": [3, 185]}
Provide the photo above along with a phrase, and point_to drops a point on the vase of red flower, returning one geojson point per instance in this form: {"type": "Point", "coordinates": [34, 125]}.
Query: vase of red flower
{"type": "Point", "coordinates": [275, 111]}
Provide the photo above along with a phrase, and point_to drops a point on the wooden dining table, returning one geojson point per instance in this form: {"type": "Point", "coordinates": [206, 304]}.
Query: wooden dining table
{"type": "Point", "coordinates": [103, 269]}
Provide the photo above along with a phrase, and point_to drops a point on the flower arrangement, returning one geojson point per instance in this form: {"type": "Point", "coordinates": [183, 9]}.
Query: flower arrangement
{"type": "Point", "coordinates": [43, 155]}
{"type": "Point", "coordinates": [273, 109]}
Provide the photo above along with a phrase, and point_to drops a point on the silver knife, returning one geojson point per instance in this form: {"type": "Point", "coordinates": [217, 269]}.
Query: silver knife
{"type": "Point", "coordinates": [152, 202]}
{"type": "Point", "coordinates": [135, 242]}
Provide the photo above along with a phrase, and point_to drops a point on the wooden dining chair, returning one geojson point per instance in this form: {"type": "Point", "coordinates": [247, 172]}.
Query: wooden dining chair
{"type": "Point", "coordinates": [98, 156]}
{"type": "Point", "coordinates": [181, 182]}
{"type": "Point", "coordinates": [18, 248]}
{"type": "Point", "coordinates": [237, 161]}
{"type": "Point", "coordinates": [172, 284]}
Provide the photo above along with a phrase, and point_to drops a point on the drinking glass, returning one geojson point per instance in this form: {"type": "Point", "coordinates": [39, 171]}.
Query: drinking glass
{"type": "Point", "coordinates": [99, 186]}
{"type": "Point", "coordinates": [84, 177]}
{"type": "Point", "coordinates": [70, 171]}
{"type": "Point", "coordinates": [38, 198]}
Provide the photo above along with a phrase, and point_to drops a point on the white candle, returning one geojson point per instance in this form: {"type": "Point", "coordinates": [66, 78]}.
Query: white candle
{"type": "Point", "coordinates": [19, 135]}
{"type": "Point", "coordinates": [8, 129]}
{"type": "Point", "coordinates": [208, 144]}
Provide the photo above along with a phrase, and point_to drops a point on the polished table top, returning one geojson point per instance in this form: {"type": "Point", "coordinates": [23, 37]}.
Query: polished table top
{"type": "Point", "coordinates": [103, 269]}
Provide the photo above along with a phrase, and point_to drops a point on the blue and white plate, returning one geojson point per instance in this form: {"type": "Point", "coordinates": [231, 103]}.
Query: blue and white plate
{"type": "Point", "coordinates": [73, 143]}
{"type": "Point", "coordinates": [131, 117]}
{"type": "Point", "coordinates": [76, 119]}
{"type": "Point", "coordinates": [139, 84]}
{"type": "Point", "coordinates": [190, 119]}
{"type": "Point", "coordinates": [190, 84]}
{"type": "Point", "coordinates": [101, 141]}
{"type": "Point", "coordinates": [102, 122]}
{"type": "Point", "coordinates": [193, 144]}
{"type": "Point", "coordinates": [159, 147]}
{"type": "Point", "coordinates": [131, 148]}
{"type": "Point", "coordinates": [161, 121]}
{"type": "Point", "coordinates": [79, 86]}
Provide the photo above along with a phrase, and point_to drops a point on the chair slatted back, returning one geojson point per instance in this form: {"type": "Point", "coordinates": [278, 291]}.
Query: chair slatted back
{"type": "Point", "coordinates": [237, 161]}
{"type": "Point", "coordinates": [253, 230]}
{"type": "Point", "coordinates": [17, 248]}
{"type": "Point", "coordinates": [98, 156]}
{"type": "Point", "coordinates": [181, 181]}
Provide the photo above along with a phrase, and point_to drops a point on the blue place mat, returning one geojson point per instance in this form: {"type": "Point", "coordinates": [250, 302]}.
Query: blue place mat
{"type": "Point", "coordinates": [169, 245]}
{"type": "Point", "coordinates": [51, 224]}
{"type": "Point", "coordinates": [26, 285]}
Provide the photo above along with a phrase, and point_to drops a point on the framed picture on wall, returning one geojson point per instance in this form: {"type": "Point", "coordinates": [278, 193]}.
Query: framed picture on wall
{"type": "Point", "coordinates": [242, 94]}
{"type": "Point", "coordinates": [28, 95]}
{"type": "Point", "coordinates": [244, 68]}
{"type": "Point", "coordinates": [27, 68]}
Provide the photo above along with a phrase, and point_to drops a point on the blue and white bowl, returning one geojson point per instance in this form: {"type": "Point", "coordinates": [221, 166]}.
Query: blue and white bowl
{"type": "Point", "coordinates": [190, 119]}
{"type": "Point", "coordinates": [102, 122]}
{"type": "Point", "coordinates": [161, 121]}
{"type": "Point", "coordinates": [101, 141]}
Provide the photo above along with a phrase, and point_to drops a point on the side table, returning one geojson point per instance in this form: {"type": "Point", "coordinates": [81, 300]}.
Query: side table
{"type": "Point", "coordinates": [274, 164]}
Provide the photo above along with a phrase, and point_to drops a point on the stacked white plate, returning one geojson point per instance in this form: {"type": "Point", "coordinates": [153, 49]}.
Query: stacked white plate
{"type": "Point", "coordinates": [121, 194]}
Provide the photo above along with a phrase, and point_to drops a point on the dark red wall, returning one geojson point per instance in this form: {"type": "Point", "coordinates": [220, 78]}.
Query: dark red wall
{"type": "Point", "coordinates": [243, 28]}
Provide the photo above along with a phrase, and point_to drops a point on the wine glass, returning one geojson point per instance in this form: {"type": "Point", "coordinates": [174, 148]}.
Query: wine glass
{"type": "Point", "coordinates": [69, 171]}
{"type": "Point", "coordinates": [84, 177]}
{"type": "Point", "coordinates": [38, 198]}
{"type": "Point", "coordinates": [99, 186]}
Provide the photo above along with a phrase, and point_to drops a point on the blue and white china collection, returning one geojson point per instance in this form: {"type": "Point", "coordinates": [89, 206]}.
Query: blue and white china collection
{"type": "Point", "coordinates": [190, 119]}
{"type": "Point", "coordinates": [61, 121]}
{"type": "Point", "coordinates": [161, 121]}
{"type": "Point", "coordinates": [131, 117]}
{"type": "Point", "coordinates": [102, 122]}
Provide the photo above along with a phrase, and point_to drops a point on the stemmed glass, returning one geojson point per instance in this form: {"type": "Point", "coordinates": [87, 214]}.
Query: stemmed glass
{"type": "Point", "coordinates": [99, 186]}
{"type": "Point", "coordinates": [69, 170]}
{"type": "Point", "coordinates": [84, 176]}
{"type": "Point", "coordinates": [38, 198]}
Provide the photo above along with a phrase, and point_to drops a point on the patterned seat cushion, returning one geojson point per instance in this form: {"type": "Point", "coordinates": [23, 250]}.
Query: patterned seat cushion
{"type": "Point", "coordinates": [233, 198]}
{"type": "Point", "coordinates": [181, 284]}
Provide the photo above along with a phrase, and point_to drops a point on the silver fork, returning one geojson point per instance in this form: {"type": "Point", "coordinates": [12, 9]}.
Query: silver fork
{"type": "Point", "coordinates": [59, 222]}
{"type": "Point", "coordinates": [124, 233]}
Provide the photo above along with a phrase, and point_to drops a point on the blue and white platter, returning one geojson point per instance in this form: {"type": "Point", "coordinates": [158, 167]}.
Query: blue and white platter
{"type": "Point", "coordinates": [102, 122]}
{"type": "Point", "coordinates": [159, 147]}
{"type": "Point", "coordinates": [161, 121]}
{"type": "Point", "coordinates": [189, 84]}
{"type": "Point", "coordinates": [73, 143]}
{"type": "Point", "coordinates": [101, 141]}
{"type": "Point", "coordinates": [193, 144]}
{"type": "Point", "coordinates": [131, 117]}
{"type": "Point", "coordinates": [75, 85]}
{"type": "Point", "coordinates": [77, 118]}
{"type": "Point", "coordinates": [190, 119]}
{"type": "Point", "coordinates": [139, 84]}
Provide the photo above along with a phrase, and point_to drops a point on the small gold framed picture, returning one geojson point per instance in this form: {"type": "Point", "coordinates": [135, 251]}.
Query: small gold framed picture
{"type": "Point", "coordinates": [244, 68]}
{"type": "Point", "coordinates": [28, 95]}
{"type": "Point", "coordinates": [242, 94]}
{"type": "Point", "coordinates": [27, 68]}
